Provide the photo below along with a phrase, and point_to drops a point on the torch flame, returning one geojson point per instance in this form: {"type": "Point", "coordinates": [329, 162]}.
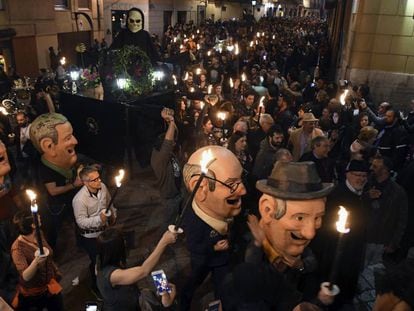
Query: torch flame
{"type": "Point", "coordinates": [231, 83]}
{"type": "Point", "coordinates": [236, 49]}
{"type": "Point", "coordinates": [198, 46]}
{"type": "Point", "coordinates": [341, 223]}
{"type": "Point", "coordinates": [251, 44]}
{"type": "Point", "coordinates": [32, 196]}
{"type": "Point", "coordinates": [3, 111]}
{"type": "Point", "coordinates": [243, 77]}
{"type": "Point", "coordinates": [209, 89]}
{"type": "Point", "coordinates": [198, 71]}
{"type": "Point", "coordinates": [221, 115]}
{"type": "Point", "coordinates": [206, 160]}
{"type": "Point", "coordinates": [343, 96]}
{"type": "Point", "coordinates": [202, 105]}
{"type": "Point", "coordinates": [186, 76]}
{"type": "Point", "coordinates": [261, 104]}
{"type": "Point", "coordinates": [208, 53]}
{"type": "Point", "coordinates": [174, 79]}
{"type": "Point", "coordinates": [119, 177]}
{"type": "Point", "coordinates": [258, 34]}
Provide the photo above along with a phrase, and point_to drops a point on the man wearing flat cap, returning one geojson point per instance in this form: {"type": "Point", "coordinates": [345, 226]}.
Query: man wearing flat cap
{"type": "Point", "coordinates": [291, 210]}
{"type": "Point", "coordinates": [349, 194]}
{"type": "Point", "coordinates": [300, 139]}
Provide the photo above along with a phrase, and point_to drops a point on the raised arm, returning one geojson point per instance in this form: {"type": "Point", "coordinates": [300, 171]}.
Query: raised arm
{"type": "Point", "coordinates": [134, 274]}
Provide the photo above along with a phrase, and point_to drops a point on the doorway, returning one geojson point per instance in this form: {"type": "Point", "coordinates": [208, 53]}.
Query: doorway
{"type": "Point", "coordinates": [182, 17]}
{"type": "Point", "coordinates": [118, 21]}
{"type": "Point", "coordinates": [201, 14]}
{"type": "Point", "coordinates": [167, 20]}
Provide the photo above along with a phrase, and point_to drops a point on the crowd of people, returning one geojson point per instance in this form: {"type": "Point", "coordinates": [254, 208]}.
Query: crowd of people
{"type": "Point", "coordinates": [287, 147]}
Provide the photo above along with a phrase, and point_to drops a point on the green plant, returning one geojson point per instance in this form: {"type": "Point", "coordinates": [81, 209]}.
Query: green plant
{"type": "Point", "coordinates": [132, 64]}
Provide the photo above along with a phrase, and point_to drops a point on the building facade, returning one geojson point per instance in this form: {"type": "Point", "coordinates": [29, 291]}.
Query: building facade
{"type": "Point", "coordinates": [29, 27]}
{"type": "Point", "coordinates": [378, 47]}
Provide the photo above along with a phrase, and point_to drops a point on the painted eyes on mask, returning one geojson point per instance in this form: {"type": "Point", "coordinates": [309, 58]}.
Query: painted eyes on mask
{"type": "Point", "coordinates": [134, 21]}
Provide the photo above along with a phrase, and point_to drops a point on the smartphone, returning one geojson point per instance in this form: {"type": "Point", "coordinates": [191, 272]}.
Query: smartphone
{"type": "Point", "coordinates": [160, 281]}
{"type": "Point", "coordinates": [91, 306]}
{"type": "Point", "coordinates": [214, 305]}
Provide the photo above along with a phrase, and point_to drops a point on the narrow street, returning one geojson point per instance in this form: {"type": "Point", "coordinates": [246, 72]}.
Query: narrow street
{"type": "Point", "coordinates": [140, 215]}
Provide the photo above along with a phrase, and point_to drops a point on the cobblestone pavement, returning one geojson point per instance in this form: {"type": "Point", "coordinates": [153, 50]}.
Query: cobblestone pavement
{"type": "Point", "coordinates": [141, 214]}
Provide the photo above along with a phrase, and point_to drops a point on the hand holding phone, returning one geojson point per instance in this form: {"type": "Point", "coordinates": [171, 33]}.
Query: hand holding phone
{"type": "Point", "coordinates": [160, 282]}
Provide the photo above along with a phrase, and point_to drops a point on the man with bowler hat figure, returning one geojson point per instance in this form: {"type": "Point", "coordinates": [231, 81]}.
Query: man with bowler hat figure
{"type": "Point", "coordinates": [291, 209]}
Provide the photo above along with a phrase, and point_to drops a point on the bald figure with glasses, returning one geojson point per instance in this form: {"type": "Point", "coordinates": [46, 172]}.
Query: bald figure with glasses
{"type": "Point", "coordinates": [206, 224]}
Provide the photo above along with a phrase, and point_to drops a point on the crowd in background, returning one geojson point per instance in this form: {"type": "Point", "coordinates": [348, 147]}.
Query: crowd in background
{"type": "Point", "coordinates": [272, 100]}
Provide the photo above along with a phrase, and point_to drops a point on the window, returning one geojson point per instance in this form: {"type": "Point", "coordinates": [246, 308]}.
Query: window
{"type": "Point", "coordinates": [84, 4]}
{"type": "Point", "coordinates": [60, 4]}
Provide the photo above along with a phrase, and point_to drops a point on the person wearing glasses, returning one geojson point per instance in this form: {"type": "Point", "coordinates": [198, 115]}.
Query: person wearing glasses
{"type": "Point", "coordinates": [206, 223]}
{"type": "Point", "coordinates": [352, 194]}
{"type": "Point", "coordinates": [135, 35]}
{"type": "Point", "coordinates": [89, 207]}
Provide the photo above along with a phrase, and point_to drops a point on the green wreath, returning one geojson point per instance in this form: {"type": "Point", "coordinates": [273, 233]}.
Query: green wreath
{"type": "Point", "coordinates": [132, 64]}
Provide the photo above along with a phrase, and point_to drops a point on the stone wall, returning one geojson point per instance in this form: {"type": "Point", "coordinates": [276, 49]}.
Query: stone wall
{"type": "Point", "coordinates": [380, 48]}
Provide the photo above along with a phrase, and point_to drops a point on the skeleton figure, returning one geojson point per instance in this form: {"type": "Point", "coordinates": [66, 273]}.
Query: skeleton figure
{"type": "Point", "coordinates": [135, 21]}
{"type": "Point", "coordinates": [136, 35]}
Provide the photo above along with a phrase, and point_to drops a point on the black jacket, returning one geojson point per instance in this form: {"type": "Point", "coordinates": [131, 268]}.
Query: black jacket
{"type": "Point", "coordinates": [325, 243]}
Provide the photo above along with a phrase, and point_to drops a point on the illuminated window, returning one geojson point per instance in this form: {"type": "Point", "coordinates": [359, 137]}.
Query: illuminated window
{"type": "Point", "coordinates": [61, 4]}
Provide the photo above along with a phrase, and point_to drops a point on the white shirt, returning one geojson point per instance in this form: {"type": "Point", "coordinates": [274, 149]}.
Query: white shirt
{"type": "Point", "coordinates": [220, 226]}
{"type": "Point", "coordinates": [87, 209]}
{"type": "Point", "coordinates": [24, 137]}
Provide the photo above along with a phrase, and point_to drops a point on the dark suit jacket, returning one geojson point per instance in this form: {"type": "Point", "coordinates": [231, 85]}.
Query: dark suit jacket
{"type": "Point", "coordinates": [325, 166]}
{"type": "Point", "coordinates": [201, 239]}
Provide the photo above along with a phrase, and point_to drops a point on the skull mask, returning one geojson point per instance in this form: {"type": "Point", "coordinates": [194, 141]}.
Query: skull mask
{"type": "Point", "coordinates": [135, 20]}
